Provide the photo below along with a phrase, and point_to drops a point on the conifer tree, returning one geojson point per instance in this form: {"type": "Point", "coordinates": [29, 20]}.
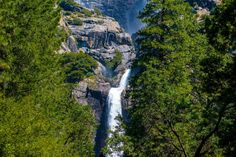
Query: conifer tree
{"type": "Point", "coordinates": [167, 107]}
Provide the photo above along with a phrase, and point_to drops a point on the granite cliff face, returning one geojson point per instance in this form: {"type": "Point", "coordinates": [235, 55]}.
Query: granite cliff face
{"type": "Point", "coordinates": [101, 36]}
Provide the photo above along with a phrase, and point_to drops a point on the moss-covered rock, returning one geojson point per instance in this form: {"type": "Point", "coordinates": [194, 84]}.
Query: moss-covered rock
{"type": "Point", "coordinates": [112, 64]}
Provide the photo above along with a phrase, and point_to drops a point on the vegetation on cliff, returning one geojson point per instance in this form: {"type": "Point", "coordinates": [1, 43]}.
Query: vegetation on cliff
{"type": "Point", "coordinates": [112, 64]}
{"type": "Point", "coordinates": [72, 6]}
{"type": "Point", "coordinates": [78, 66]}
{"type": "Point", "coordinates": [38, 116]}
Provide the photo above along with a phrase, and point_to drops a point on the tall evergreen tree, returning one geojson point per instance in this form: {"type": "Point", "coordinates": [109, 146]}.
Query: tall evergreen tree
{"type": "Point", "coordinates": [168, 105]}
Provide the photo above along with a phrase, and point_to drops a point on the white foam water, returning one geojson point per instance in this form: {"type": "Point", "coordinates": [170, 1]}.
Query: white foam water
{"type": "Point", "coordinates": [115, 108]}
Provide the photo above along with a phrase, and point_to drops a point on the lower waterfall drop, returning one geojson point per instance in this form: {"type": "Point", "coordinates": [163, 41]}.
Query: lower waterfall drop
{"type": "Point", "coordinates": [115, 107]}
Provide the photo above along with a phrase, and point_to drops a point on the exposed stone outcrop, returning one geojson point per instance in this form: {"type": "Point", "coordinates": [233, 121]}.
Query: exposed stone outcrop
{"type": "Point", "coordinates": [101, 36]}
{"type": "Point", "coordinates": [93, 92]}
{"type": "Point", "coordinates": [69, 46]}
{"type": "Point", "coordinates": [201, 14]}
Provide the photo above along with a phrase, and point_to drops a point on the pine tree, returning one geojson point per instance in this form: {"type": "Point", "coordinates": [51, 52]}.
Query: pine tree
{"type": "Point", "coordinates": [167, 107]}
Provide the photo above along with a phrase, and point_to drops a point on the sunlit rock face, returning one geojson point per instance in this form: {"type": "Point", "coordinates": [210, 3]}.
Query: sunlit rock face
{"type": "Point", "coordinates": [101, 37]}
{"type": "Point", "coordinates": [124, 11]}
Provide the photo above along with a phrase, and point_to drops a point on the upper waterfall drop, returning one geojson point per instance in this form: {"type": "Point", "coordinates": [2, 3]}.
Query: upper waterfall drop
{"type": "Point", "coordinates": [115, 106]}
{"type": "Point", "coordinates": [124, 79]}
{"type": "Point", "coordinates": [114, 101]}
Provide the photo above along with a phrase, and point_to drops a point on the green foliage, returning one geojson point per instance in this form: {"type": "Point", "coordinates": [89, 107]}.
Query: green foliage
{"type": "Point", "coordinates": [76, 21]}
{"type": "Point", "coordinates": [221, 27]}
{"type": "Point", "coordinates": [220, 82]}
{"type": "Point", "coordinates": [69, 5]}
{"type": "Point", "coordinates": [163, 91]}
{"type": "Point", "coordinates": [86, 12]}
{"type": "Point", "coordinates": [78, 66]}
{"type": "Point", "coordinates": [4, 66]}
{"type": "Point", "coordinates": [72, 6]}
{"type": "Point", "coordinates": [97, 11]}
{"type": "Point", "coordinates": [67, 13]}
{"type": "Point", "coordinates": [46, 125]}
{"type": "Point", "coordinates": [112, 64]}
{"type": "Point", "coordinates": [38, 117]}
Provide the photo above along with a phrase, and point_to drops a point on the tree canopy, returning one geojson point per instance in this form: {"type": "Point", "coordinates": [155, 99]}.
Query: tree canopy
{"type": "Point", "coordinates": [38, 116]}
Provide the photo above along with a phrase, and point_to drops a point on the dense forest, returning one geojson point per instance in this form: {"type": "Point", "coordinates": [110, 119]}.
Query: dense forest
{"type": "Point", "coordinates": [38, 116]}
{"type": "Point", "coordinates": [182, 97]}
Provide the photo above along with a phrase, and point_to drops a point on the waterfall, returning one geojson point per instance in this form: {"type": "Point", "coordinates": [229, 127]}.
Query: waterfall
{"type": "Point", "coordinates": [134, 24]}
{"type": "Point", "coordinates": [115, 106]}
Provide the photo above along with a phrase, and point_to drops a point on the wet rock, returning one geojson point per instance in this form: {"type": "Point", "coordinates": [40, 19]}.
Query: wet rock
{"type": "Point", "coordinates": [93, 92]}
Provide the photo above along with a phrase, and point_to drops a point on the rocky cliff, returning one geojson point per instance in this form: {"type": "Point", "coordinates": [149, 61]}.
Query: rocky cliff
{"type": "Point", "coordinates": [102, 38]}
{"type": "Point", "coordinates": [106, 41]}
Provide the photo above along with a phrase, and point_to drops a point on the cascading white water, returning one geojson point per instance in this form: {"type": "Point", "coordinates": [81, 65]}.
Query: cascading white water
{"type": "Point", "coordinates": [115, 107]}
